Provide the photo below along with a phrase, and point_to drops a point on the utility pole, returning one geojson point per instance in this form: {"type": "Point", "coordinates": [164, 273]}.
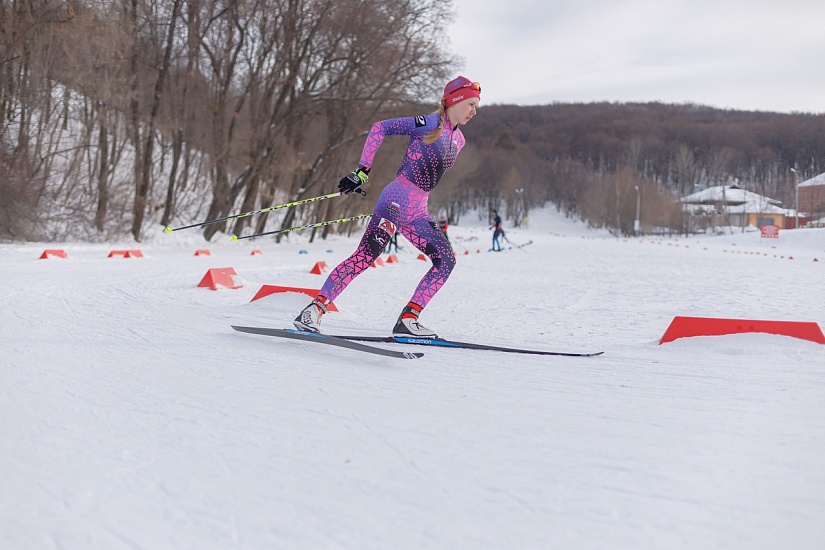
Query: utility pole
{"type": "Point", "coordinates": [796, 207]}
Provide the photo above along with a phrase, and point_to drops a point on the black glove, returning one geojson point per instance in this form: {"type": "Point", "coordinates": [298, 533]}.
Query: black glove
{"type": "Point", "coordinates": [354, 180]}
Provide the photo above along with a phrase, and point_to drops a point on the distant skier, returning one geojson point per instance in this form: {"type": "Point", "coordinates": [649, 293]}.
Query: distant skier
{"type": "Point", "coordinates": [498, 231]}
{"type": "Point", "coordinates": [393, 243]}
{"type": "Point", "coordinates": [443, 225]}
{"type": "Point", "coordinates": [435, 141]}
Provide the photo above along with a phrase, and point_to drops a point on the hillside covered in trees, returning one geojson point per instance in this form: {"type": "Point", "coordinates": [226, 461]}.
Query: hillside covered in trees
{"type": "Point", "coordinates": [119, 117]}
{"type": "Point", "coordinates": [589, 158]}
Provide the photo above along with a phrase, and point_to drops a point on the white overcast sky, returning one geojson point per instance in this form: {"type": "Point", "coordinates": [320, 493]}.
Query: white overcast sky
{"type": "Point", "coordinates": [766, 55]}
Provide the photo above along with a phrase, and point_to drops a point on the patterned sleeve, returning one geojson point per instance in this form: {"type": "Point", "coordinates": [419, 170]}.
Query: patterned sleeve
{"type": "Point", "coordinates": [406, 126]}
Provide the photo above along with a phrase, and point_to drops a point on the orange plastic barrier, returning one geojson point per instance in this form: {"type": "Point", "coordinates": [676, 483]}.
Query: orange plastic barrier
{"type": "Point", "coordinates": [266, 290]}
{"type": "Point", "coordinates": [319, 268]}
{"type": "Point", "coordinates": [202, 252]}
{"type": "Point", "coordinates": [221, 277]}
{"type": "Point", "coordinates": [684, 327]}
{"type": "Point", "coordinates": [126, 253]}
{"type": "Point", "coordinates": [57, 253]}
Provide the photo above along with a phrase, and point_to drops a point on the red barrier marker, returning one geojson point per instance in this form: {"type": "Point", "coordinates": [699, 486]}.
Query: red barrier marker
{"type": "Point", "coordinates": [266, 290]}
{"type": "Point", "coordinates": [222, 277]}
{"type": "Point", "coordinates": [126, 253]}
{"type": "Point", "coordinates": [684, 327]}
{"type": "Point", "coordinates": [319, 268]}
{"type": "Point", "coordinates": [56, 253]}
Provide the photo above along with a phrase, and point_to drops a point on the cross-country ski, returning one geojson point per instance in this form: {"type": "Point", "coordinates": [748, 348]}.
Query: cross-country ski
{"type": "Point", "coordinates": [326, 340]}
{"type": "Point", "coordinates": [443, 343]}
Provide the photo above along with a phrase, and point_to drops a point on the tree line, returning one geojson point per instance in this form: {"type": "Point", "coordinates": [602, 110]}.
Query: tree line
{"type": "Point", "coordinates": [120, 116]}
{"type": "Point", "coordinates": [115, 111]}
{"type": "Point", "coordinates": [602, 161]}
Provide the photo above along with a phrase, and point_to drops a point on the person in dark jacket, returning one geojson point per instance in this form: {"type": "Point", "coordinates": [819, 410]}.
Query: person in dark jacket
{"type": "Point", "coordinates": [498, 231]}
{"type": "Point", "coordinates": [443, 225]}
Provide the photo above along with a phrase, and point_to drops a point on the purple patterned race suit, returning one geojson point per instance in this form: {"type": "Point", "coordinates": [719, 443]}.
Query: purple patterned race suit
{"type": "Point", "coordinates": [402, 205]}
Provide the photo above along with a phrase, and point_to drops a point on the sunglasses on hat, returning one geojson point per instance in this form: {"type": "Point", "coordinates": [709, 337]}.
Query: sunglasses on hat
{"type": "Point", "coordinates": [472, 85]}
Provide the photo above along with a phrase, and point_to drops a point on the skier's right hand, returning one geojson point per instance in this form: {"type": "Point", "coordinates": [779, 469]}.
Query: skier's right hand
{"type": "Point", "coordinates": [353, 181]}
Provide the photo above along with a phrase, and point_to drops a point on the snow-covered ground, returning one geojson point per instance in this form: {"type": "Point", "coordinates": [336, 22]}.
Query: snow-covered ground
{"type": "Point", "coordinates": [132, 416]}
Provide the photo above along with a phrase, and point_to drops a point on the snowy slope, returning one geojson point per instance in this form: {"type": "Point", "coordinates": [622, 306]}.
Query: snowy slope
{"type": "Point", "coordinates": [133, 417]}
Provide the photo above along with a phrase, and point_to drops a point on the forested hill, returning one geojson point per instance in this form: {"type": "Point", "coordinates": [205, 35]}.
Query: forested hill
{"type": "Point", "coordinates": [606, 136]}
{"type": "Point", "coordinates": [569, 153]}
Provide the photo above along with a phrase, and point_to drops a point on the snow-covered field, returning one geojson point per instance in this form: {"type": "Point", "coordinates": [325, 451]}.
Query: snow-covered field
{"type": "Point", "coordinates": [132, 416]}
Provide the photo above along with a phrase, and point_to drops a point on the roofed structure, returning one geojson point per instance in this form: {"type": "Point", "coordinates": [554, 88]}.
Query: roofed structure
{"type": "Point", "coordinates": [732, 205]}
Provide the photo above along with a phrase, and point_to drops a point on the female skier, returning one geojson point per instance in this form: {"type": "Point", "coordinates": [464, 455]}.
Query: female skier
{"type": "Point", "coordinates": [435, 141]}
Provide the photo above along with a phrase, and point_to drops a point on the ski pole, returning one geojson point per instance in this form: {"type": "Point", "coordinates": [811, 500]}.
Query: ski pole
{"type": "Point", "coordinates": [261, 211]}
{"type": "Point", "coordinates": [307, 226]}
{"type": "Point", "coordinates": [519, 246]}
{"type": "Point", "coordinates": [504, 236]}
{"type": "Point", "coordinates": [458, 241]}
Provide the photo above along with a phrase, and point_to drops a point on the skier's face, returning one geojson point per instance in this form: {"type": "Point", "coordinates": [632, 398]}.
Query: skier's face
{"type": "Point", "coordinates": [461, 113]}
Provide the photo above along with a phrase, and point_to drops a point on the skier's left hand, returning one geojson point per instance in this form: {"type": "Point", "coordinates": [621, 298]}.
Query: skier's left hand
{"type": "Point", "coordinates": [353, 181]}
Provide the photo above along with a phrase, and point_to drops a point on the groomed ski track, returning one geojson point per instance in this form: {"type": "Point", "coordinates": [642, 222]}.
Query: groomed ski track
{"type": "Point", "coordinates": [133, 416]}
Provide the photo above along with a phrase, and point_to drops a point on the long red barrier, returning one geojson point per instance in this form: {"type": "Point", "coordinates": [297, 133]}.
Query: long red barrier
{"type": "Point", "coordinates": [684, 327]}
{"type": "Point", "coordinates": [266, 290]}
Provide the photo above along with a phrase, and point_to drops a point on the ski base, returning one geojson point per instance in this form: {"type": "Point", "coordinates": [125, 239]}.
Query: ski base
{"type": "Point", "coordinates": [326, 339]}
{"type": "Point", "coordinates": [441, 342]}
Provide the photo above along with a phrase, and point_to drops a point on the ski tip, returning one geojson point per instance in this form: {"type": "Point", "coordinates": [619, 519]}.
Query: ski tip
{"type": "Point", "coordinates": [168, 229]}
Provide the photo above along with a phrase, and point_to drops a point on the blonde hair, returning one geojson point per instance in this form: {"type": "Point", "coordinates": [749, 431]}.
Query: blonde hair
{"type": "Point", "coordinates": [433, 136]}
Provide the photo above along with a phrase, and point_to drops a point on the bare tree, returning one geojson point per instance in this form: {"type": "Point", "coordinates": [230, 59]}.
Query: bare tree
{"type": "Point", "coordinates": [146, 125]}
{"type": "Point", "coordinates": [222, 39]}
{"type": "Point", "coordinates": [313, 71]}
